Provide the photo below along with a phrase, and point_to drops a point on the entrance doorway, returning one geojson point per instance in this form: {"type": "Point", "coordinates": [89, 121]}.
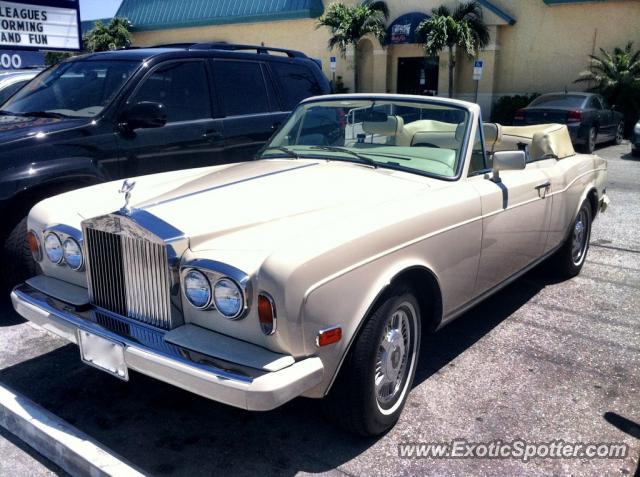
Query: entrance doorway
{"type": "Point", "coordinates": [418, 76]}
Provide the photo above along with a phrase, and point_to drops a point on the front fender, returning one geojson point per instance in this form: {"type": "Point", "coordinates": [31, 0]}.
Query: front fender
{"type": "Point", "coordinates": [357, 290]}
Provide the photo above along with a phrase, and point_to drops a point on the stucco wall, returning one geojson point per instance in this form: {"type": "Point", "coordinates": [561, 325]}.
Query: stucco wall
{"type": "Point", "coordinates": [544, 51]}
{"type": "Point", "coordinates": [549, 45]}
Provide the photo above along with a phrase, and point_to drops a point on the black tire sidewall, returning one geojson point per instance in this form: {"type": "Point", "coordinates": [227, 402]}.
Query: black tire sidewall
{"type": "Point", "coordinates": [566, 265]}
{"type": "Point", "coordinates": [19, 263]}
{"type": "Point", "coordinates": [365, 352]}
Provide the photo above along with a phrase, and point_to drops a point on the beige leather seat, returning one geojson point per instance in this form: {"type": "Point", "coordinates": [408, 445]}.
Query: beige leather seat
{"type": "Point", "coordinates": [392, 127]}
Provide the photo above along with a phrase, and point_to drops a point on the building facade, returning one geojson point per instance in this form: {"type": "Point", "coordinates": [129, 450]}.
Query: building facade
{"type": "Point", "coordinates": [536, 45]}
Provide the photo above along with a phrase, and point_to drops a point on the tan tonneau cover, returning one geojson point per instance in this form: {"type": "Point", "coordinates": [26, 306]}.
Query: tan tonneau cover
{"type": "Point", "coordinates": [544, 140]}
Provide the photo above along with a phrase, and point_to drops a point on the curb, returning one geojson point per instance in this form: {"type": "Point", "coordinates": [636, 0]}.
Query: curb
{"type": "Point", "coordinates": [69, 448]}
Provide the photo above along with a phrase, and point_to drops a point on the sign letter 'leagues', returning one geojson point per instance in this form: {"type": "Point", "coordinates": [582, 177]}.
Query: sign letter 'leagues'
{"type": "Point", "coordinates": [40, 25]}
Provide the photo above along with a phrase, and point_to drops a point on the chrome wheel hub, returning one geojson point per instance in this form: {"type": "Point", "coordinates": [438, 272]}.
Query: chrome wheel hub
{"type": "Point", "coordinates": [391, 360]}
{"type": "Point", "coordinates": [580, 235]}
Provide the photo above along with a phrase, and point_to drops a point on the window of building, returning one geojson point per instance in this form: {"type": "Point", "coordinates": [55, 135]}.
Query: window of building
{"type": "Point", "coordinates": [296, 82]}
{"type": "Point", "coordinates": [182, 87]}
{"type": "Point", "coordinates": [241, 87]}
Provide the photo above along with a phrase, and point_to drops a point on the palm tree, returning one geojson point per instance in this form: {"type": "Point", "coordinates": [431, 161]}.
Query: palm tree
{"type": "Point", "coordinates": [463, 28]}
{"type": "Point", "coordinates": [616, 76]}
{"type": "Point", "coordinates": [109, 37]}
{"type": "Point", "coordinates": [349, 24]}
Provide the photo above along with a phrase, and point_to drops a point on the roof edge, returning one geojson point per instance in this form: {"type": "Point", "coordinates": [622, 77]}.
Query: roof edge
{"type": "Point", "coordinates": [498, 11]}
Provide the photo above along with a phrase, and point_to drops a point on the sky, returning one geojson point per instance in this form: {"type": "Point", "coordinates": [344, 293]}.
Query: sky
{"type": "Point", "coordinates": [93, 9]}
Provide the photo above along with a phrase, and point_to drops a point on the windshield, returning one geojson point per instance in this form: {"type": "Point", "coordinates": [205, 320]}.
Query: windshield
{"type": "Point", "coordinates": [559, 101]}
{"type": "Point", "coordinates": [416, 136]}
{"type": "Point", "coordinates": [74, 89]}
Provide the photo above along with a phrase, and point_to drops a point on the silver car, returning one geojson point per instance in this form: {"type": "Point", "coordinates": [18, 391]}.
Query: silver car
{"type": "Point", "coordinates": [12, 80]}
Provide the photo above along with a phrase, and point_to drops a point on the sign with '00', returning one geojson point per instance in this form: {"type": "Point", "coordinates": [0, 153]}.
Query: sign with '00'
{"type": "Point", "coordinates": [40, 24]}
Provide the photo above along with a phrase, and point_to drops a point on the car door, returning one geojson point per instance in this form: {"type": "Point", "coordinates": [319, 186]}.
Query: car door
{"type": "Point", "coordinates": [249, 108]}
{"type": "Point", "coordinates": [192, 137]}
{"type": "Point", "coordinates": [515, 219]}
{"type": "Point", "coordinates": [608, 118]}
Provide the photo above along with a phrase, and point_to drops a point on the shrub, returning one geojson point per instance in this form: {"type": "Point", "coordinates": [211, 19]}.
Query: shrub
{"type": "Point", "coordinates": [504, 109]}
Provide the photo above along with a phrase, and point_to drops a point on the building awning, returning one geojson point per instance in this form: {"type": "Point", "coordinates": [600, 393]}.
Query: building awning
{"type": "Point", "coordinates": [403, 29]}
{"type": "Point", "coordinates": [166, 14]}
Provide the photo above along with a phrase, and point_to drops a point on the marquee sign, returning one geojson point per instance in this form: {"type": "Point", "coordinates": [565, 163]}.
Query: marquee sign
{"type": "Point", "coordinates": [40, 24]}
{"type": "Point", "coordinates": [403, 28]}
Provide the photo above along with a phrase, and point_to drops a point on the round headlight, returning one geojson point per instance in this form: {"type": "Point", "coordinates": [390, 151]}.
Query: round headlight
{"type": "Point", "coordinates": [72, 253]}
{"type": "Point", "coordinates": [197, 289]}
{"type": "Point", "coordinates": [227, 297]}
{"type": "Point", "coordinates": [53, 248]}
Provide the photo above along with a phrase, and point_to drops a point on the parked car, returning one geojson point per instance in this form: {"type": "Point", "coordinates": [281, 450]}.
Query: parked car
{"type": "Point", "coordinates": [635, 140]}
{"type": "Point", "coordinates": [312, 270]}
{"type": "Point", "coordinates": [588, 116]}
{"type": "Point", "coordinates": [12, 80]}
{"type": "Point", "coordinates": [126, 113]}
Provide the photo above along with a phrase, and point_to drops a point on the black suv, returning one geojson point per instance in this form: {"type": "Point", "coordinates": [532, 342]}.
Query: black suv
{"type": "Point", "coordinates": [132, 112]}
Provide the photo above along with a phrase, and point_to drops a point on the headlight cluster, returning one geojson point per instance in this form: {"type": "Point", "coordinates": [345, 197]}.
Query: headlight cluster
{"type": "Point", "coordinates": [59, 250]}
{"type": "Point", "coordinates": [225, 295]}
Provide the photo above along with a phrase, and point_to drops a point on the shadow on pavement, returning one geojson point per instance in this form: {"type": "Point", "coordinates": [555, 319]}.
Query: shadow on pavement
{"type": "Point", "coordinates": [8, 317]}
{"type": "Point", "coordinates": [167, 431]}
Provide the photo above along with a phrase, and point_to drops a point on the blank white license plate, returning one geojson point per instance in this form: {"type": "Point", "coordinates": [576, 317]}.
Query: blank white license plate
{"type": "Point", "coordinates": [103, 354]}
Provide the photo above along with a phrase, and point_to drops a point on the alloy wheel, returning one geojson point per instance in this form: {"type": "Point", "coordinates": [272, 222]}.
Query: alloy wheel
{"type": "Point", "coordinates": [394, 357]}
{"type": "Point", "coordinates": [580, 237]}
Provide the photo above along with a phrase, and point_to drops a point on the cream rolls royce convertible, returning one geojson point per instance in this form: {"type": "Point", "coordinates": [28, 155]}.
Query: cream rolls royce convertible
{"type": "Point", "coordinates": [314, 269]}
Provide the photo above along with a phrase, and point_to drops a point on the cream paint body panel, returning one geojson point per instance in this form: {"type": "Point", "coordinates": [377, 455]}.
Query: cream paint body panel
{"type": "Point", "coordinates": [515, 224]}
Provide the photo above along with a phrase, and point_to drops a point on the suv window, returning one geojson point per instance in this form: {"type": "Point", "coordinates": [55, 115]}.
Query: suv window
{"type": "Point", "coordinates": [80, 88]}
{"type": "Point", "coordinates": [241, 87]}
{"type": "Point", "coordinates": [297, 83]}
{"type": "Point", "coordinates": [182, 87]}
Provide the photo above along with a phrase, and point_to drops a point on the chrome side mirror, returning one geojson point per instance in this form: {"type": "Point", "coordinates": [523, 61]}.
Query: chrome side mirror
{"type": "Point", "coordinates": [508, 161]}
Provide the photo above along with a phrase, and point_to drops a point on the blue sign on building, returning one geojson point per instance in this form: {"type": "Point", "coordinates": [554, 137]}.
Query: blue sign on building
{"type": "Point", "coordinates": [17, 59]}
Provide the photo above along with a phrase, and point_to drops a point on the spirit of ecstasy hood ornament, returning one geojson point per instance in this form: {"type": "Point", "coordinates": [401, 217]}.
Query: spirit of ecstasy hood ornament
{"type": "Point", "coordinates": [126, 189]}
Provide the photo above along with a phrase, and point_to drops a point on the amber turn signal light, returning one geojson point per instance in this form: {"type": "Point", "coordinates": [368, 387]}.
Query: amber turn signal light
{"type": "Point", "coordinates": [34, 245]}
{"type": "Point", "coordinates": [266, 314]}
{"type": "Point", "coordinates": [329, 336]}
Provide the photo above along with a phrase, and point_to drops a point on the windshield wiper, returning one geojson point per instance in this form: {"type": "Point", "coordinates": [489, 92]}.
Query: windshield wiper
{"type": "Point", "coordinates": [7, 113]}
{"type": "Point", "coordinates": [286, 150]}
{"type": "Point", "coordinates": [364, 160]}
{"type": "Point", "coordinates": [44, 114]}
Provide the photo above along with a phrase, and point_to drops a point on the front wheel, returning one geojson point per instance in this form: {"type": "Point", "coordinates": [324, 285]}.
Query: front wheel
{"type": "Point", "coordinates": [570, 257]}
{"type": "Point", "coordinates": [372, 387]}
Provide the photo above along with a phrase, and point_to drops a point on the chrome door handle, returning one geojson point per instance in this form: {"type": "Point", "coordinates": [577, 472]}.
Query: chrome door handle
{"type": "Point", "coordinates": [542, 189]}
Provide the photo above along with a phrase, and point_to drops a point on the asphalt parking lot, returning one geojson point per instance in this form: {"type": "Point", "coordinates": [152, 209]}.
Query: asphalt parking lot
{"type": "Point", "coordinates": [542, 360]}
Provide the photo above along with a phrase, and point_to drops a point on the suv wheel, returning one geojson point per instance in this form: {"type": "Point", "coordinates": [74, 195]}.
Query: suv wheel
{"type": "Point", "coordinates": [19, 263]}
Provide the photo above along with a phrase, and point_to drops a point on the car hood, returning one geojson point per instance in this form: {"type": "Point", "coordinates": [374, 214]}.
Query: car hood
{"type": "Point", "coordinates": [20, 127]}
{"type": "Point", "coordinates": [257, 205]}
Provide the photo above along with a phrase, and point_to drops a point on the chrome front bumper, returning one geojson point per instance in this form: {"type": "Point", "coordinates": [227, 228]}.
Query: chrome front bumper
{"type": "Point", "coordinates": [146, 352]}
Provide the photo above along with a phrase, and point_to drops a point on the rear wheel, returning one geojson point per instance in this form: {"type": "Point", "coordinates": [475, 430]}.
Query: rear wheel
{"type": "Point", "coordinates": [372, 387]}
{"type": "Point", "coordinates": [619, 134]}
{"type": "Point", "coordinates": [568, 261]}
{"type": "Point", "coordinates": [590, 144]}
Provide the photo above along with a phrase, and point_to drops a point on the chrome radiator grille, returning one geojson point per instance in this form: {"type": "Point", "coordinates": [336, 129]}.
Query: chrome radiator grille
{"type": "Point", "coordinates": [129, 276]}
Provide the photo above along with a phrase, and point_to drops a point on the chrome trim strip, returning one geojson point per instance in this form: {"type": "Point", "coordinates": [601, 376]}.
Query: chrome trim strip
{"type": "Point", "coordinates": [221, 186]}
{"type": "Point", "coordinates": [214, 271]}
